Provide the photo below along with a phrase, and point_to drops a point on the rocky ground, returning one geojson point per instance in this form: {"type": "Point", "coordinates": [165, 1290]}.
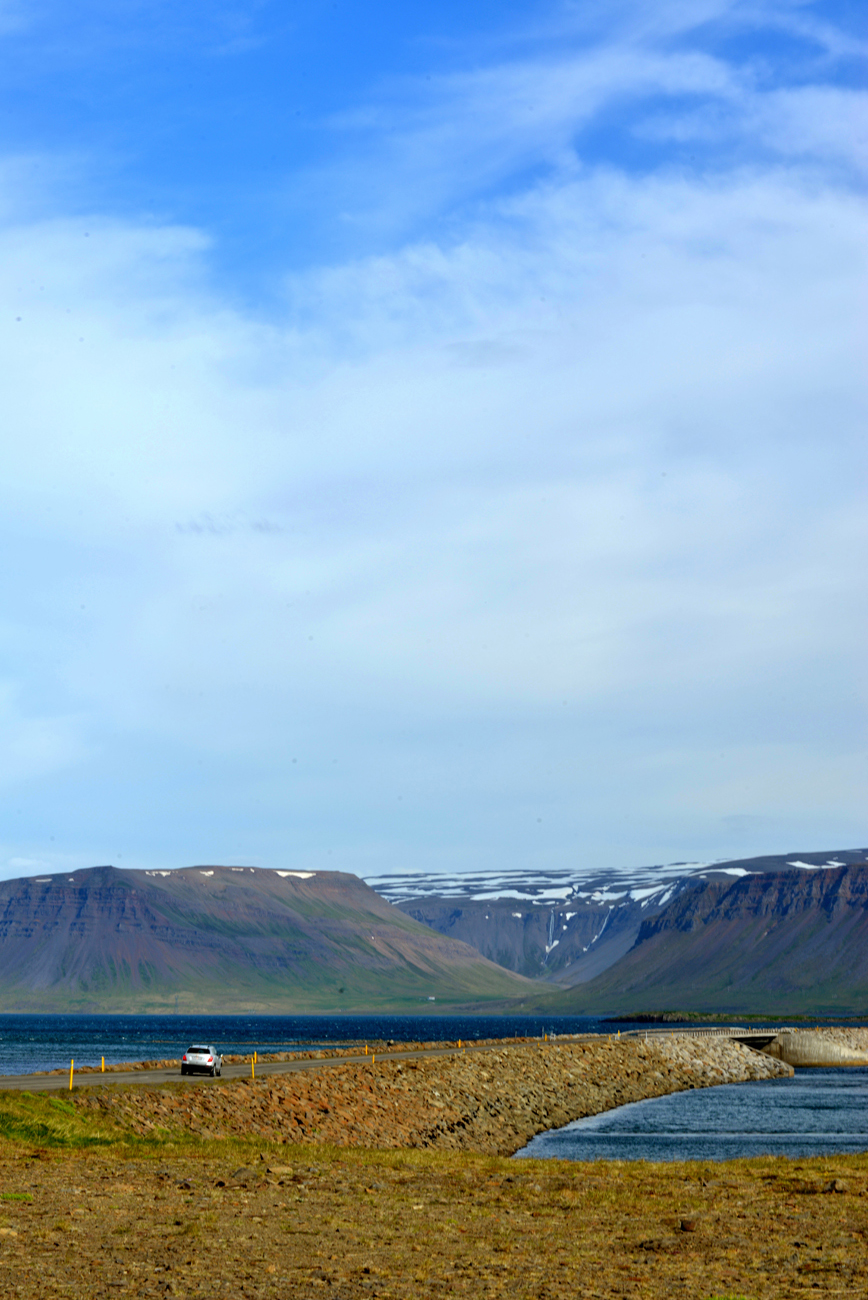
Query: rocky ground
{"type": "Point", "coordinates": [492, 1101]}
{"type": "Point", "coordinates": [390, 1180]}
{"type": "Point", "coordinates": [310, 1223]}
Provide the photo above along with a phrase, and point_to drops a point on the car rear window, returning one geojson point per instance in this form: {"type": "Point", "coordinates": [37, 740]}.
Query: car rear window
{"type": "Point", "coordinates": [199, 1051]}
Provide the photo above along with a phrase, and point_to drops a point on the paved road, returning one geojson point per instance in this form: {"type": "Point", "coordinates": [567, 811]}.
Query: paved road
{"type": "Point", "coordinates": [148, 1078]}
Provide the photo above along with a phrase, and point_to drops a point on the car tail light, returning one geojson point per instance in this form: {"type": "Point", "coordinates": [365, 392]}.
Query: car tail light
{"type": "Point", "coordinates": [210, 1058]}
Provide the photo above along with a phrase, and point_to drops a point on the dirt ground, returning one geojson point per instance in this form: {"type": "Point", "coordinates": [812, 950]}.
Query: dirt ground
{"type": "Point", "coordinates": [226, 1219]}
{"type": "Point", "coordinates": [393, 1180]}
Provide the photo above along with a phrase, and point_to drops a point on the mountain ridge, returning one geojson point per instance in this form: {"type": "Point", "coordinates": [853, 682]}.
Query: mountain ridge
{"type": "Point", "coordinates": [569, 927]}
{"type": "Point", "coordinates": [773, 942]}
{"type": "Point", "coordinates": [224, 938]}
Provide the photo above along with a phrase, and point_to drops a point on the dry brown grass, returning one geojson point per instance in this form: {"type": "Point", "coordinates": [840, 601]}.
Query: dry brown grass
{"type": "Point", "coordinates": [186, 1219]}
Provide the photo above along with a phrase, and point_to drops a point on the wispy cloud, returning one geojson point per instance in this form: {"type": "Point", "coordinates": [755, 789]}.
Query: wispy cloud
{"type": "Point", "coordinates": [427, 147]}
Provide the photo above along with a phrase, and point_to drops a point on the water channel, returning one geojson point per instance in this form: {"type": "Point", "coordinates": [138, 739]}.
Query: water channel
{"type": "Point", "coordinates": [817, 1112]}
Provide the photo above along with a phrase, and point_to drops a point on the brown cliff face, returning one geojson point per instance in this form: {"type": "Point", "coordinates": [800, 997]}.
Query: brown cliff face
{"type": "Point", "coordinates": [777, 942]}
{"type": "Point", "coordinates": [778, 895]}
{"type": "Point", "coordinates": [224, 939]}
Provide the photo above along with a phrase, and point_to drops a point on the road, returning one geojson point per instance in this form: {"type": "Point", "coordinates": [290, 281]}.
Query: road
{"type": "Point", "coordinates": [151, 1078]}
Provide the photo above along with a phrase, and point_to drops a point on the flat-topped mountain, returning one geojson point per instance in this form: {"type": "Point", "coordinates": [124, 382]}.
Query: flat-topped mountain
{"type": "Point", "coordinates": [773, 942]}
{"type": "Point", "coordinates": [224, 939]}
{"type": "Point", "coordinates": [568, 927]}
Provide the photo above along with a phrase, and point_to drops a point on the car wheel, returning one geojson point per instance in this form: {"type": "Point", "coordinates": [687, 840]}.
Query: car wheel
{"type": "Point", "coordinates": [213, 1071]}
{"type": "Point", "coordinates": [183, 1069]}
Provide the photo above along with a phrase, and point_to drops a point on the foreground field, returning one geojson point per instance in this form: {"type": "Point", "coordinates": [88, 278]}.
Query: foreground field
{"type": "Point", "coordinates": [391, 1180]}
{"type": "Point", "coordinates": [222, 1218]}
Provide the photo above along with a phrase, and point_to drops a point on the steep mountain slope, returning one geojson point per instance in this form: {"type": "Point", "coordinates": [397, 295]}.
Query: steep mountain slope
{"type": "Point", "coordinates": [564, 944]}
{"type": "Point", "coordinates": [550, 925]}
{"type": "Point", "coordinates": [225, 939]}
{"type": "Point", "coordinates": [776, 942]}
{"type": "Point", "coordinates": [562, 926]}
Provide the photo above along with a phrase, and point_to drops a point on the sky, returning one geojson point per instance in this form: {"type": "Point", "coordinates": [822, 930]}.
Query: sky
{"type": "Point", "coordinates": [433, 436]}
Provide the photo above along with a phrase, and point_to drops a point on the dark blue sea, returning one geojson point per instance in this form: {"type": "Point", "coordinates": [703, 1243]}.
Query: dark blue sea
{"type": "Point", "coordinates": [29, 1043]}
{"type": "Point", "coordinates": [818, 1112]}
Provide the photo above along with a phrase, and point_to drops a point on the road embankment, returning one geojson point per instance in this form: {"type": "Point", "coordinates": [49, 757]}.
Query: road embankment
{"type": "Point", "coordinates": [492, 1101]}
{"type": "Point", "coordinates": [819, 1047]}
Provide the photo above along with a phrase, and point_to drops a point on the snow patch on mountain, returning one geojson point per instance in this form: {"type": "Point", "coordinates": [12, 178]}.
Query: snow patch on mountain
{"type": "Point", "coordinates": [542, 888]}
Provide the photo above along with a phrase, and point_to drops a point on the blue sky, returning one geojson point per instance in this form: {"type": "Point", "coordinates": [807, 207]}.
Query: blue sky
{"type": "Point", "coordinates": [431, 442]}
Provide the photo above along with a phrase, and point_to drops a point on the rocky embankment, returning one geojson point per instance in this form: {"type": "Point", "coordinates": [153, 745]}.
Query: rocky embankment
{"type": "Point", "coordinates": [490, 1101]}
{"type": "Point", "coordinates": [817, 1047]}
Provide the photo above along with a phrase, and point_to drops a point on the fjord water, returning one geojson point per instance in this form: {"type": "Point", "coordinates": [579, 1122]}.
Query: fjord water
{"type": "Point", "coordinates": [817, 1112]}
{"type": "Point", "coordinates": [31, 1043]}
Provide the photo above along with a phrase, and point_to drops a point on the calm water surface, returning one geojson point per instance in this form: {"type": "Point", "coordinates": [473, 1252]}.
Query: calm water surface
{"type": "Point", "coordinates": [818, 1112]}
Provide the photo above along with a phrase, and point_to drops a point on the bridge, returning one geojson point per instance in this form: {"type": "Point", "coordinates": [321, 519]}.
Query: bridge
{"type": "Point", "coordinates": [758, 1038]}
{"type": "Point", "coordinates": [825, 1047]}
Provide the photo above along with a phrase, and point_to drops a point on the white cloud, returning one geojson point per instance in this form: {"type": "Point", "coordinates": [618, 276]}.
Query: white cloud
{"type": "Point", "coordinates": [557, 515]}
{"type": "Point", "coordinates": [827, 125]}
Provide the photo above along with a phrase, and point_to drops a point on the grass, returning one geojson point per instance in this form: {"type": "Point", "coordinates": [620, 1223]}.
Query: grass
{"type": "Point", "coordinates": [50, 1122]}
{"type": "Point", "coordinates": [86, 1198]}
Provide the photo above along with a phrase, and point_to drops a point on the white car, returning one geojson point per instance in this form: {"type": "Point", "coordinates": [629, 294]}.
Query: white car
{"type": "Point", "coordinates": [200, 1059]}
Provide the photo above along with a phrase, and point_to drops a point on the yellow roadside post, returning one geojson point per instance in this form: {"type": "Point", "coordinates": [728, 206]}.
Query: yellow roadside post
{"type": "Point", "coordinates": [252, 1068]}
{"type": "Point", "coordinates": [71, 1064]}
{"type": "Point", "coordinates": [102, 1067]}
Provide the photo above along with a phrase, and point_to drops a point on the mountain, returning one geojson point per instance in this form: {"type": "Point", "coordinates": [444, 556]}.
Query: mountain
{"type": "Point", "coordinates": [551, 925]}
{"type": "Point", "coordinates": [226, 939]}
{"type": "Point", "coordinates": [781, 934]}
{"type": "Point", "coordinates": [771, 942]}
{"type": "Point", "coordinates": [566, 927]}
